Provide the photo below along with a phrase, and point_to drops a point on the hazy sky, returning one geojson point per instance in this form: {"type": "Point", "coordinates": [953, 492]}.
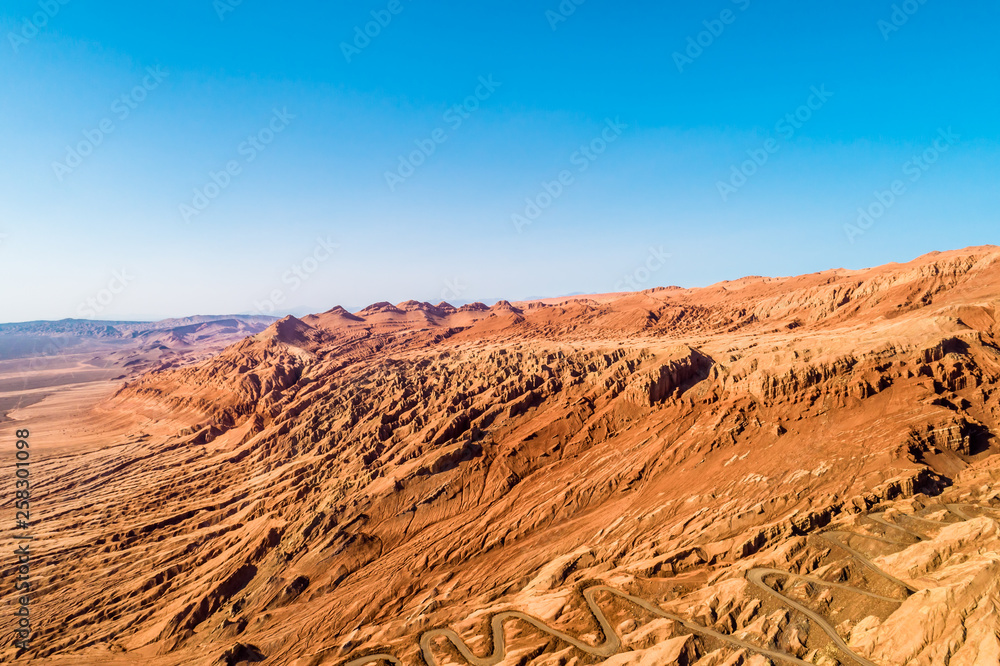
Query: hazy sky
{"type": "Point", "coordinates": [200, 157]}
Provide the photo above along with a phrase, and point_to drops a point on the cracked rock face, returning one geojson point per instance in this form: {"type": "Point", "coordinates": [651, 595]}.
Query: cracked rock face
{"type": "Point", "coordinates": [953, 618]}
{"type": "Point", "coordinates": [766, 471]}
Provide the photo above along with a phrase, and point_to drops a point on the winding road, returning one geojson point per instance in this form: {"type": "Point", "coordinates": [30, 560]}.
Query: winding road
{"type": "Point", "coordinates": [757, 577]}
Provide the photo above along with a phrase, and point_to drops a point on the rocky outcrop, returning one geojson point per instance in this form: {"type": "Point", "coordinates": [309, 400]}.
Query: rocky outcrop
{"type": "Point", "coordinates": [340, 485]}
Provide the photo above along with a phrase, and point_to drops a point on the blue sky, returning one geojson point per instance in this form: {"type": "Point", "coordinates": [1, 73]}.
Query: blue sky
{"type": "Point", "coordinates": [292, 134]}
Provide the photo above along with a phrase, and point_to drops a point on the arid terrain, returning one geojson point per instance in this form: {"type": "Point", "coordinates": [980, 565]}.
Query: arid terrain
{"type": "Point", "coordinates": [766, 471]}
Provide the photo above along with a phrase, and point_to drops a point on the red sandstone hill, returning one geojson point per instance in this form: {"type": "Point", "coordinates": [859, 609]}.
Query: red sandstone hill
{"type": "Point", "coordinates": [782, 469]}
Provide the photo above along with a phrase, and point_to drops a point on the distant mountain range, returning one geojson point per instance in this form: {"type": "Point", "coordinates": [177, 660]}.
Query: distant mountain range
{"type": "Point", "coordinates": [123, 329]}
{"type": "Point", "coordinates": [148, 340]}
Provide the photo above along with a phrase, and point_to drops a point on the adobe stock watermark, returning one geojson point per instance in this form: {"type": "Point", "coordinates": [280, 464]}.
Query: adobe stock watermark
{"type": "Point", "coordinates": [223, 7]}
{"type": "Point", "coordinates": [52, 356]}
{"type": "Point", "coordinates": [121, 109]}
{"type": "Point", "coordinates": [714, 28]}
{"type": "Point", "coordinates": [453, 289]}
{"type": "Point", "coordinates": [786, 128]}
{"type": "Point", "coordinates": [297, 275]}
{"type": "Point", "coordinates": [93, 306]}
{"type": "Point", "coordinates": [900, 16]}
{"type": "Point", "coordinates": [32, 25]}
{"type": "Point", "coordinates": [635, 280]}
{"type": "Point", "coordinates": [49, 357]}
{"type": "Point", "coordinates": [562, 13]}
{"type": "Point", "coordinates": [582, 159]}
{"type": "Point", "coordinates": [913, 170]}
{"type": "Point", "coordinates": [454, 118]}
{"type": "Point", "coordinates": [248, 150]}
{"type": "Point", "coordinates": [363, 35]}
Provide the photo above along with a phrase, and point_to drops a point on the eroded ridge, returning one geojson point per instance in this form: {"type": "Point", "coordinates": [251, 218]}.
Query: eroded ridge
{"type": "Point", "coordinates": [757, 576]}
{"type": "Point", "coordinates": [338, 485]}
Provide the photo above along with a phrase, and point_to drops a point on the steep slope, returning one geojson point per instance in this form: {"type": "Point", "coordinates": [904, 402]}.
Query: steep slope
{"type": "Point", "coordinates": [789, 469]}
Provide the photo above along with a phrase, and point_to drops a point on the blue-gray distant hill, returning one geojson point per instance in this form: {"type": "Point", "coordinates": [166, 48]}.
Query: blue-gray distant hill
{"type": "Point", "coordinates": [46, 338]}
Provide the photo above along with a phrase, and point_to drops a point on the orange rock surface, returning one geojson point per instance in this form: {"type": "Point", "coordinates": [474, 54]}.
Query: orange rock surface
{"type": "Point", "coordinates": [770, 470]}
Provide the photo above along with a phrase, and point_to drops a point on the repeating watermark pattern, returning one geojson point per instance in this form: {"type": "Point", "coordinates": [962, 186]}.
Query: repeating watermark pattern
{"type": "Point", "coordinates": [95, 305]}
{"type": "Point", "coordinates": [121, 109]}
{"type": "Point", "coordinates": [562, 13]}
{"type": "Point", "coordinates": [363, 35]}
{"type": "Point", "coordinates": [786, 128]}
{"type": "Point", "coordinates": [23, 538]}
{"type": "Point", "coordinates": [297, 275]}
{"type": "Point", "coordinates": [899, 17]}
{"type": "Point", "coordinates": [639, 277]}
{"type": "Point", "coordinates": [50, 357]}
{"type": "Point", "coordinates": [453, 289]}
{"type": "Point", "coordinates": [32, 25]}
{"type": "Point", "coordinates": [454, 118]}
{"type": "Point", "coordinates": [913, 170]}
{"type": "Point", "coordinates": [714, 28]}
{"type": "Point", "coordinates": [223, 7]}
{"type": "Point", "coordinates": [582, 159]}
{"type": "Point", "coordinates": [248, 150]}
